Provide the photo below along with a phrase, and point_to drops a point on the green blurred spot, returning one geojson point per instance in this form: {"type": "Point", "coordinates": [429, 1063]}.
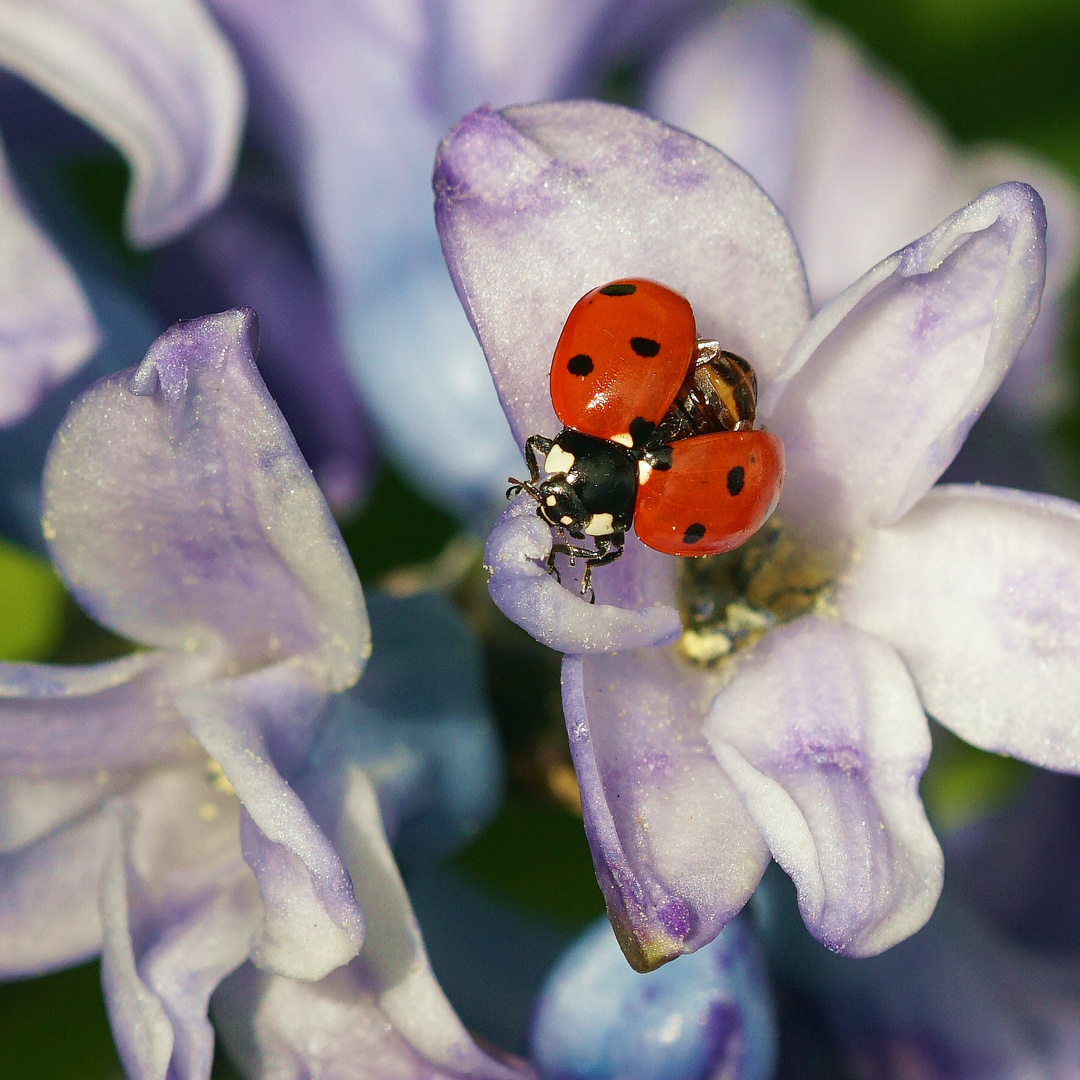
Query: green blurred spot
{"type": "Point", "coordinates": [397, 527]}
{"type": "Point", "coordinates": [55, 1028]}
{"type": "Point", "coordinates": [98, 185]}
{"type": "Point", "coordinates": [963, 784]}
{"type": "Point", "coordinates": [32, 603]}
{"type": "Point", "coordinates": [538, 855]}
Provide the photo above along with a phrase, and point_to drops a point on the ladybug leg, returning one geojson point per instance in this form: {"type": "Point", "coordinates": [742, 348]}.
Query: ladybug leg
{"type": "Point", "coordinates": [608, 549]}
{"type": "Point", "coordinates": [535, 446]}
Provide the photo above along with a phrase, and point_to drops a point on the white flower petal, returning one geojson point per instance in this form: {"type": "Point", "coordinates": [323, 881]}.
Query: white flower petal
{"type": "Point", "coordinates": [49, 913]}
{"type": "Point", "coordinates": [156, 77]}
{"type": "Point", "coordinates": [540, 204]}
{"type": "Point", "coordinates": [887, 380]}
{"type": "Point", "coordinates": [675, 851]}
{"type": "Point", "coordinates": [978, 589]}
{"type": "Point", "coordinates": [383, 1015]}
{"type": "Point", "coordinates": [822, 733]}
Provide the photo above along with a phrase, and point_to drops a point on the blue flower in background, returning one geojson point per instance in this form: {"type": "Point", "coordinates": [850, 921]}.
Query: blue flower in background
{"type": "Point", "coordinates": [707, 1015]}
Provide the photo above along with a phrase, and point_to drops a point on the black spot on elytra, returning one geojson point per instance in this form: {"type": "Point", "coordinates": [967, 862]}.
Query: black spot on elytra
{"type": "Point", "coordinates": [735, 479]}
{"type": "Point", "coordinates": [618, 288]}
{"type": "Point", "coordinates": [580, 365]}
{"type": "Point", "coordinates": [644, 346]}
{"type": "Point", "coordinates": [640, 430]}
{"type": "Point", "coordinates": [693, 533]}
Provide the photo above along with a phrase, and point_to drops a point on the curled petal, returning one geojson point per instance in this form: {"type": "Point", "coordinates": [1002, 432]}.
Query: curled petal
{"type": "Point", "coordinates": [156, 78]}
{"type": "Point", "coordinates": [978, 589]}
{"type": "Point", "coordinates": [206, 532]}
{"type": "Point", "coordinates": [249, 726]}
{"type": "Point", "coordinates": [560, 198]}
{"type": "Point", "coordinates": [528, 595]}
{"type": "Point", "coordinates": [948, 315]}
{"type": "Point", "coordinates": [49, 913]}
{"type": "Point", "coordinates": [47, 329]}
{"type": "Point", "coordinates": [179, 910]}
{"type": "Point", "coordinates": [675, 851]}
{"type": "Point", "coordinates": [381, 1015]}
{"type": "Point", "coordinates": [823, 735]}
{"type": "Point", "coordinates": [72, 721]}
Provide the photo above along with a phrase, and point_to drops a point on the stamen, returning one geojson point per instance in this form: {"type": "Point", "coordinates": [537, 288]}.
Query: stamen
{"type": "Point", "coordinates": [728, 602]}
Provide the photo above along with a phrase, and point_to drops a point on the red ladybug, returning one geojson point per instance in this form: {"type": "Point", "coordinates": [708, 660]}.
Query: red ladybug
{"type": "Point", "coordinates": [659, 434]}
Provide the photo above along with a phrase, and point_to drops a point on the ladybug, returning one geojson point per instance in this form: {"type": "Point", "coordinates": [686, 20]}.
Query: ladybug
{"type": "Point", "coordinates": [659, 434]}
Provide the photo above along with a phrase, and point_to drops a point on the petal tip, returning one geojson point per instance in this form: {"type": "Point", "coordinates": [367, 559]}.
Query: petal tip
{"type": "Point", "coordinates": [190, 344]}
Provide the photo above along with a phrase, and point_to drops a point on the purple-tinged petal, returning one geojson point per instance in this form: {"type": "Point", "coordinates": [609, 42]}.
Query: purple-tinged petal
{"type": "Point", "coordinates": [157, 78]}
{"type": "Point", "coordinates": [675, 851]}
{"type": "Point", "coordinates": [822, 733]}
{"type": "Point", "coordinates": [978, 589]}
{"type": "Point", "coordinates": [252, 726]}
{"type": "Point", "coordinates": [250, 254]}
{"type": "Point", "coordinates": [47, 329]}
{"type": "Point", "coordinates": [206, 531]}
{"type": "Point", "coordinates": [739, 83]}
{"type": "Point", "coordinates": [73, 721]}
{"type": "Point", "coordinates": [382, 1015]}
{"type": "Point", "coordinates": [179, 910]}
{"type": "Point", "coordinates": [32, 809]}
{"type": "Point", "coordinates": [49, 912]}
{"type": "Point", "coordinates": [539, 204]}
{"type": "Point", "coordinates": [1036, 386]}
{"type": "Point", "coordinates": [528, 595]}
{"type": "Point", "coordinates": [946, 314]}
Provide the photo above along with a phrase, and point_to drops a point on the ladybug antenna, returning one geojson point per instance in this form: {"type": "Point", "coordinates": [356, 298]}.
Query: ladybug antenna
{"type": "Point", "coordinates": [518, 486]}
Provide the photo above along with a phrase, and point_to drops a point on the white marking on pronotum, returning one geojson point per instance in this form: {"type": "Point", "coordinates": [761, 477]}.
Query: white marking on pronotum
{"type": "Point", "coordinates": [644, 471]}
{"type": "Point", "coordinates": [625, 439]}
{"type": "Point", "coordinates": [558, 460]}
{"type": "Point", "coordinates": [600, 525]}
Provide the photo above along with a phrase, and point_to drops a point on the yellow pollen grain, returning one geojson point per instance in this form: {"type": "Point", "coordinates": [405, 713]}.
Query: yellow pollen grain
{"type": "Point", "coordinates": [216, 776]}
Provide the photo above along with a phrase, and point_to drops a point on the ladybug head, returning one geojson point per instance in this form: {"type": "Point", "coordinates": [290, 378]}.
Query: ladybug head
{"type": "Point", "coordinates": [559, 505]}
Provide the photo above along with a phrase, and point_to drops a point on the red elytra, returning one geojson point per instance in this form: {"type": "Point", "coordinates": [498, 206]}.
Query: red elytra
{"type": "Point", "coordinates": [719, 491]}
{"type": "Point", "coordinates": [622, 356]}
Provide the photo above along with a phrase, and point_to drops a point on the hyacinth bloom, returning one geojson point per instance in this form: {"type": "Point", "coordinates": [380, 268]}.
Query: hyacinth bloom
{"type": "Point", "coordinates": [789, 717]}
{"type": "Point", "coordinates": [149, 806]}
{"type": "Point", "coordinates": [160, 82]}
{"type": "Point", "coordinates": [855, 165]}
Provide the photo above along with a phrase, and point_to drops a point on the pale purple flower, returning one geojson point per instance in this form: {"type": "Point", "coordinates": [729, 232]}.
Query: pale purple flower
{"type": "Point", "coordinates": [150, 806]}
{"type": "Point", "coordinates": [157, 79]}
{"type": "Point", "coordinates": [352, 96]}
{"type": "Point", "coordinates": [698, 762]}
{"type": "Point", "coordinates": [856, 166]}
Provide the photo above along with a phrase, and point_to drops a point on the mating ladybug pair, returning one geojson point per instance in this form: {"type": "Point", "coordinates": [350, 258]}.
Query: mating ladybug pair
{"type": "Point", "coordinates": [659, 434]}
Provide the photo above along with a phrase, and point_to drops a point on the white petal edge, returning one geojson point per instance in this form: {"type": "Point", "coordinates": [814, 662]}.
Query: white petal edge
{"type": "Point", "coordinates": [885, 383]}
{"type": "Point", "coordinates": [155, 77]}
{"type": "Point", "coordinates": [978, 589]}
